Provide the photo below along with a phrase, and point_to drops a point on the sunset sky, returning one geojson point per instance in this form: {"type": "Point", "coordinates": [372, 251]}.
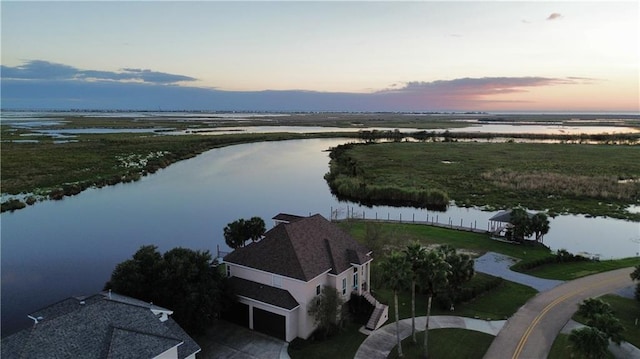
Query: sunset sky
{"type": "Point", "coordinates": [322, 56]}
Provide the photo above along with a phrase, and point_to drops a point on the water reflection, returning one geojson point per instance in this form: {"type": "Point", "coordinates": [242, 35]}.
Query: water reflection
{"type": "Point", "coordinates": [62, 248]}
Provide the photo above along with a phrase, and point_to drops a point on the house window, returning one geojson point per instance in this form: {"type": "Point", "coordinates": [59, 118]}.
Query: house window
{"type": "Point", "coordinates": [228, 271]}
{"type": "Point", "coordinates": [318, 290]}
{"type": "Point", "coordinates": [355, 280]}
{"type": "Point", "coordinates": [344, 286]}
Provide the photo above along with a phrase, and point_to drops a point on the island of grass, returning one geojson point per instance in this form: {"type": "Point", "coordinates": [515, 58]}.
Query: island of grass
{"type": "Point", "coordinates": [599, 180]}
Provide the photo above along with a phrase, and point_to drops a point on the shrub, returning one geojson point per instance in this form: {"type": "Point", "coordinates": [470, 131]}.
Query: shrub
{"type": "Point", "coordinates": [12, 205]}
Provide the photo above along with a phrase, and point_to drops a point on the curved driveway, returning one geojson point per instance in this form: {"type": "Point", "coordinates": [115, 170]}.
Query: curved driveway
{"type": "Point", "coordinates": [531, 331]}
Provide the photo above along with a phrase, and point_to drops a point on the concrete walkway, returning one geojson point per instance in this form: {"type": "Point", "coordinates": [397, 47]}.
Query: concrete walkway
{"type": "Point", "coordinates": [382, 341]}
{"type": "Point", "coordinates": [498, 265]}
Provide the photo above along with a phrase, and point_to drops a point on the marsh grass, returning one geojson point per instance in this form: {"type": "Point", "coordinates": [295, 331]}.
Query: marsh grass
{"type": "Point", "coordinates": [581, 179]}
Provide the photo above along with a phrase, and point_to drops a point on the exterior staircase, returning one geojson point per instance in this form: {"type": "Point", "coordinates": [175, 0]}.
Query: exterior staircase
{"type": "Point", "coordinates": [379, 315]}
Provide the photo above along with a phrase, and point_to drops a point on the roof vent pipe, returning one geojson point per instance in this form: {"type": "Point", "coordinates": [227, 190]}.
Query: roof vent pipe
{"type": "Point", "coordinates": [35, 320]}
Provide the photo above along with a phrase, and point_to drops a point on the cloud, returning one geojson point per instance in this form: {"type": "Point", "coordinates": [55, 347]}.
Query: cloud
{"type": "Point", "coordinates": [554, 16]}
{"type": "Point", "coordinates": [45, 85]}
{"type": "Point", "coordinates": [44, 70]}
{"type": "Point", "coordinates": [481, 86]}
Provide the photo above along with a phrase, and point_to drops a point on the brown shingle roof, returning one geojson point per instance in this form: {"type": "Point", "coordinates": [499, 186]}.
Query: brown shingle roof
{"type": "Point", "coordinates": [302, 249]}
{"type": "Point", "coordinates": [263, 293]}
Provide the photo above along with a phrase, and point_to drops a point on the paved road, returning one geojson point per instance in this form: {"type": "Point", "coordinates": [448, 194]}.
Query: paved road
{"type": "Point", "coordinates": [531, 331]}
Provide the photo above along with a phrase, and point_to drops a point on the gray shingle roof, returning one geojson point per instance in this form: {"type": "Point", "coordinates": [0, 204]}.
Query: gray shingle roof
{"type": "Point", "coordinates": [505, 216]}
{"type": "Point", "coordinates": [263, 293]}
{"type": "Point", "coordinates": [302, 249]}
{"type": "Point", "coordinates": [99, 328]}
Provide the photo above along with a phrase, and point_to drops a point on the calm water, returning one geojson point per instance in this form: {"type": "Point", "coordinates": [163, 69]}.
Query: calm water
{"type": "Point", "coordinates": [54, 250]}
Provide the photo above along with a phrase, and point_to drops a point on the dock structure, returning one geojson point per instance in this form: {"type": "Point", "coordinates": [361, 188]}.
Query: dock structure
{"type": "Point", "coordinates": [433, 221]}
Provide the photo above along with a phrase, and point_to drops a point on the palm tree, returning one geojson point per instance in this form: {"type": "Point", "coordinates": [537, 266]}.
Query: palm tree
{"type": "Point", "coordinates": [635, 275]}
{"type": "Point", "coordinates": [396, 271]}
{"type": "Point", "coordinates": [255, 228]}
{"type": "Point", "coordinates": [461, 270]}
{"type": "Point", "coordinates": [433, 276]}
{"type": "Point", "coordinates": [591, 307]}
{"type": "Point", "coordinates": [609, 325]}
{"type": "Point", "coordinates": [415, 255]}
{"type": "Point", "coordinates": [591, 342]}
{"type": "Point", "coordinates": [540, 225]}
{"type": "Point", "coordinates": [599, 315]}
{"type": "Point", "coordinates": [521, 224]}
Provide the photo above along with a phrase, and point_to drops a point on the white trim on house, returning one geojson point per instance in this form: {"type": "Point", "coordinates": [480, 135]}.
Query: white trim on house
{"type": "Point", "coordinates": [283, 276]}
{"type": "Point", "coordinates": [268, 305]}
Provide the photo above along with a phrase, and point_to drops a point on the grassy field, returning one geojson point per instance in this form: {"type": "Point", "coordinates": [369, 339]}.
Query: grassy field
{"type": "Point", "coordinates": [588, 179]}
{"type": "Point", "coordinates": [343, 345]}
{"type": "Point", "coordinates": [573, 270]}
{"type": "Point", "coordinates": [497, 304]}
{"type": "Point", "coordinates": [447, 344]}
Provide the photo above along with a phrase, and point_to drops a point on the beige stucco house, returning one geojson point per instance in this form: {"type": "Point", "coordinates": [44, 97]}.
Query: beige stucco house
{"type": "Point", "coordinates": [277, 277]}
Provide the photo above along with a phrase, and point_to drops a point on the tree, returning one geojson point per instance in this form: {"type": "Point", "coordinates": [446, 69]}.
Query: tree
{"type": "Point", "coordinates": [182, 280]}
{"type": "Point", "coordinates": [600, 315]}
{"type": "Point", "coordinates": [325, 309]}
{"type": "Point", "coordinates": [591, 307]}
{"type": "Point", "coordinates": [461, 270]}
{"type": "Point", "coordinates": [240, 231]}
{"type": "Point", "coordinates": [235, 234]}
{"type": "Point", "coordinates": [255, 228]}
{"type": "Point", "coordinates": [521, 224]}
{"type": "Point", "coordinates": [433, 276]}
{"type": "Point", "coordinates": [137, 277]}
{"type": "Point", "coordinates": [591, 342]}
{"type": "Point", "coordinates": [635, 275]}
{"type": "Point", "coordinates": [397, 272]}
{"type": "Point", "coordinates": [540, 225]}
{"type": "Point", "coordinates": [415, 255]}
{"type": "Point", "coordinates": [609, 325]}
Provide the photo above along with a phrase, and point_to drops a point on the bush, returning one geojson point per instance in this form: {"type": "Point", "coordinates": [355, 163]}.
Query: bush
{"type": "Point", "coordinates": [444, 300]}
{"type": "Point", "coordinates": [562, 256]}
{"type": "Point", "coordinates": [12, 205]}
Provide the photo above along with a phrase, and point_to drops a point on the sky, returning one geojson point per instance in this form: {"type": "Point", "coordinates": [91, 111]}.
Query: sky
{"type": "Point", "coordinates": [321, 56]}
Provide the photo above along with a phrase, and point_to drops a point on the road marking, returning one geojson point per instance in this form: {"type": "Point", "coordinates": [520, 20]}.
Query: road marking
{"type": "Point", "coordinates": [546, 309]}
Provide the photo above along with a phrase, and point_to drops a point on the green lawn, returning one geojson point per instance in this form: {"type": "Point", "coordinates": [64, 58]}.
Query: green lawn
{"type": "Point", "coordinates": [573, 270]}
{"type": "Point", "coordinates": [398, 235]}
{"type": "Point", "coordinates": [561, 349]}
{"type": "Point", "coordinates": [343, 345]}
{"type": "Point", "coordinates": [497, 304]}
{"type": "Point", "coordinates": [628, 311]}
{"type": "Point", "coordinates": [447, 344]}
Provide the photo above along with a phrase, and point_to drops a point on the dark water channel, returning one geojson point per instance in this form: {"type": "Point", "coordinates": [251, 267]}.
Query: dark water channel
{"type": "Point", "coordinates": [58, 249]}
